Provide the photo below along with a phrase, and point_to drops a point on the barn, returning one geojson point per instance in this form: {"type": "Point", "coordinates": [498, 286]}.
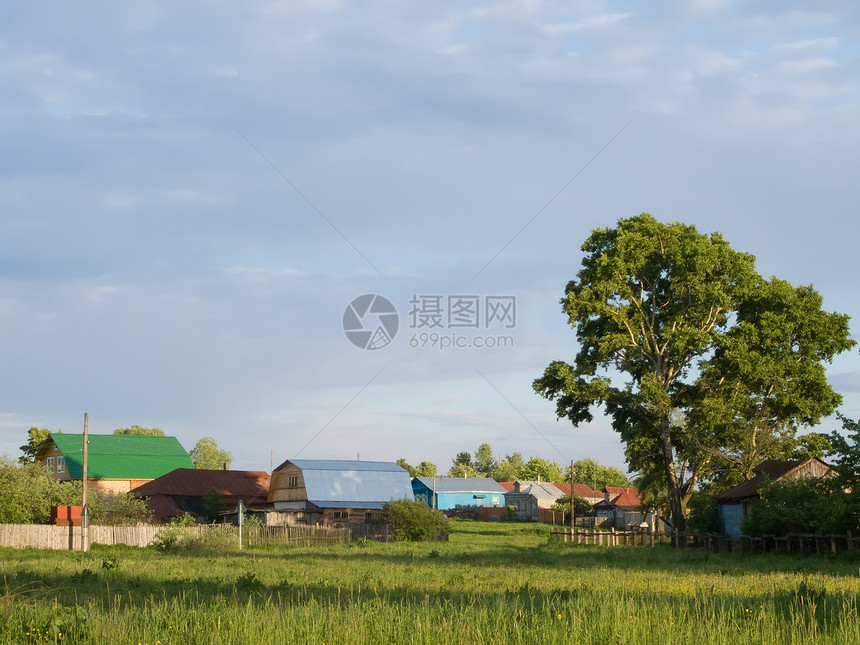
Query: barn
{"type": "Point", "coordinates": [336, 492]}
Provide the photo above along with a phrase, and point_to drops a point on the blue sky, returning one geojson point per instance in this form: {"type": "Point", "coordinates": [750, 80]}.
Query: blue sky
{"type": "Point", "coordinates": [191, 195]}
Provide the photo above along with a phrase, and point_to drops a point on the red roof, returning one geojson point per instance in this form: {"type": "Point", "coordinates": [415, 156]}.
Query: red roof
{"type": "Point", "coordinates": [621, 497]}
{"type": "Point", "coordinates": [508, 486]}
{"type": "Point", "coordinates": [579, 490]}
{"type": "Point", "coordinates": [249, 485]}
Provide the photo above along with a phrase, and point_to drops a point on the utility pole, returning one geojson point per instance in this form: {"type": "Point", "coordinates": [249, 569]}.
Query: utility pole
{"type": "Point", "coordinates": [85, 510]}
{"type": "Point", "coordinates": [572, 523]}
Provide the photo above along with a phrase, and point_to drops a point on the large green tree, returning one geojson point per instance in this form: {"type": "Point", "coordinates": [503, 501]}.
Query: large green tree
{"type": "Point", "coordinates": [766, 379]}
{"type": "Point", "coordinates": [656, 308]}
{"type": "Point", "coordinates": [206, 455]}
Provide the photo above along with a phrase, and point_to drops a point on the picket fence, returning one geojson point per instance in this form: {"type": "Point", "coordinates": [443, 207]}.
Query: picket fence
{"type": "Point", "coordinates": [798, 543]}
{"type": "Point", "coordinates": [48, 536]}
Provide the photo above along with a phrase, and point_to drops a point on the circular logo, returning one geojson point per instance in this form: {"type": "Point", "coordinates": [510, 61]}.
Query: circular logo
{"type": "Point", "coordinates": [370, 321]}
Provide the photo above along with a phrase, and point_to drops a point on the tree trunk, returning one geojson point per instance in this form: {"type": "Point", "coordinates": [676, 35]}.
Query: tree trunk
{"type": "Point", "coordinates": [676, 502]}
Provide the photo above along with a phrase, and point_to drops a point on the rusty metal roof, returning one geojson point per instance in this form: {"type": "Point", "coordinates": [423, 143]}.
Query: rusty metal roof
{"type": "Point", "coordinates": [251, 486]}
{"type": "Point", "coordinates": [769, 470]}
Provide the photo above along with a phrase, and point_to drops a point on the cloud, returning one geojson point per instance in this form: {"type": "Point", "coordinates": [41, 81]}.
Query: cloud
{"type": "Point", "coordinates": [155, 269]}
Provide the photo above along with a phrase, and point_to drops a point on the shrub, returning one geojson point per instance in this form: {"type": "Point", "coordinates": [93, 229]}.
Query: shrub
{"type": "Point", "coordinates": [171, 537]}
{"type": "Point", "coordinates": [704, 514]}
{"type": "Point", "coordinates": [414, 521]}
{"type": "Point", "coordinates": [803, 505]}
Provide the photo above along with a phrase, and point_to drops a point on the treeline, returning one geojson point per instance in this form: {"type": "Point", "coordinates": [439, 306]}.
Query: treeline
{"type": "Point", "coordinates": [27, 491]}
{"type": "Point", "coordinates": [485, 463]}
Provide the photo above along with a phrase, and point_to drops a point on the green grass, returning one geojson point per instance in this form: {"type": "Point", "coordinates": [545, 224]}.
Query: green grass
{"type": "Point", "coordinates": [492, 583]}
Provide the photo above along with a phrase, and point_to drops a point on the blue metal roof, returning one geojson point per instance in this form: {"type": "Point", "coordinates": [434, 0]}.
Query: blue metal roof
{"type": "Point", "coordinates": [353, 483]}
{"type": "Point", "coordinates": [463, 485]}
{"type": "Point", "coordinates": [345, 464]}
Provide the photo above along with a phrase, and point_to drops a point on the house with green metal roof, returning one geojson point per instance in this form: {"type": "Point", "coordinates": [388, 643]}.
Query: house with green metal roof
{"type": "Point", "coordinates": [115, 463]}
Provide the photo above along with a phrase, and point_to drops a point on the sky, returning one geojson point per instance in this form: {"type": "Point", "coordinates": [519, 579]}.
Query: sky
{"type": "Point", "coordinates": [193, 194]}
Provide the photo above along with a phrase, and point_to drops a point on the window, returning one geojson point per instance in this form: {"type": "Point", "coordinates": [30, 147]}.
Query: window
{"type": "Point", "coordinates": [61, 464]}
{"type": "Point", "coordinates": [340, 515]}
{"type": "Point", "coordinates": [49, 463]}
{"type": "Point", "coordinates": [293, 481]}
{"type": "Point", "coordinates": [371, 516]}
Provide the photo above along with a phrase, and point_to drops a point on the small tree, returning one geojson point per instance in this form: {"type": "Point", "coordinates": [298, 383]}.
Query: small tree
{"type": "Point", "coordinates": [581, 507]}
{"type": "Point", "coordinates": [139, 430]}
{"type": "Point", "coordinates": [115, 509]}
{"type": "Point", "coordinates": [413, 521]}
{"type": "Point", "coordinates": [462, 466]}
{"type": "Point", "coordinates": [207, 456]}
{"type": "Point", "coordinates": [591, 473]}
{"type": "Point", "coordinates": [35, 439]}
{"type": "Point", "coordinates": [539, 468]}
{"type": "Point", "coordinates": [213, 504]}
{"type": "Point", "coordinates": [484, 462]}
{"type": "Point", "coordinates": [405, 466]}
{"type": "Point", "coordinates": [426, 469]}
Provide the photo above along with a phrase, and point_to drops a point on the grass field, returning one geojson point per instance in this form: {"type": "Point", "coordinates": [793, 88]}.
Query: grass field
{"type": "Point", "coordinates": [492, 583]}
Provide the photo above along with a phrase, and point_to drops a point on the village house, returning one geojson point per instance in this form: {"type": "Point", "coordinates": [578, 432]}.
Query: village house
{"type": "Point", "coordinates": [581, 490]}
{"type": "Point", "coordinates": [115, 463]}
{"type": "Point", "coordinates": [450, 493]}
{"type": "Point", "coordinates": [734, 503]}
{"type": "Point", "coordinates": [183, 492]}
{"type": "Point", "coordinates": [335, 492]}
{"type": "Point", "coordinates": [535, 499]}
{"type": "Point", "coordinates": [621, 507]}
{"type": "Point", "coordinates": [530, 497]}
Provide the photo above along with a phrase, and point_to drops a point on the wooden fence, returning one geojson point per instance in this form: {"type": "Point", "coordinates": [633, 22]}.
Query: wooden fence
{"type": "Point", "coordinates": [48, 536]}
{"type": "Point", "coordinates": [716, 542]}
{"type": "Point", "coordinates": [298, 535]}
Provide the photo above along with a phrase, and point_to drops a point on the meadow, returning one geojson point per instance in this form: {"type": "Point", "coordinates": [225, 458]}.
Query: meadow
{"type": "Point", "coordinates": [491, 583]}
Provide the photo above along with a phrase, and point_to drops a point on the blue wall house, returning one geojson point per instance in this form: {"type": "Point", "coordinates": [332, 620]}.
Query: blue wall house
{"type": "Point", "coordinates": [735, 503]}
{"type": "Point", "coordinates": [453, 492]}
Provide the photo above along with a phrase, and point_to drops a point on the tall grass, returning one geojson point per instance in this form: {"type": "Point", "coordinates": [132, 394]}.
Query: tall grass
{"type": "Point", "coordinates": [492, 583]}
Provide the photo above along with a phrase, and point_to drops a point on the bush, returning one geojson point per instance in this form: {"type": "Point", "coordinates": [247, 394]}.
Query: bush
{"type": "Point", "coordinates": [804, 505]}
{"type": "Point", "coordinates": [704, 514]}
{"type": "Point", "coordinates": [414, 521]}
{"type": "Point", "coordinates": [173, 537]}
